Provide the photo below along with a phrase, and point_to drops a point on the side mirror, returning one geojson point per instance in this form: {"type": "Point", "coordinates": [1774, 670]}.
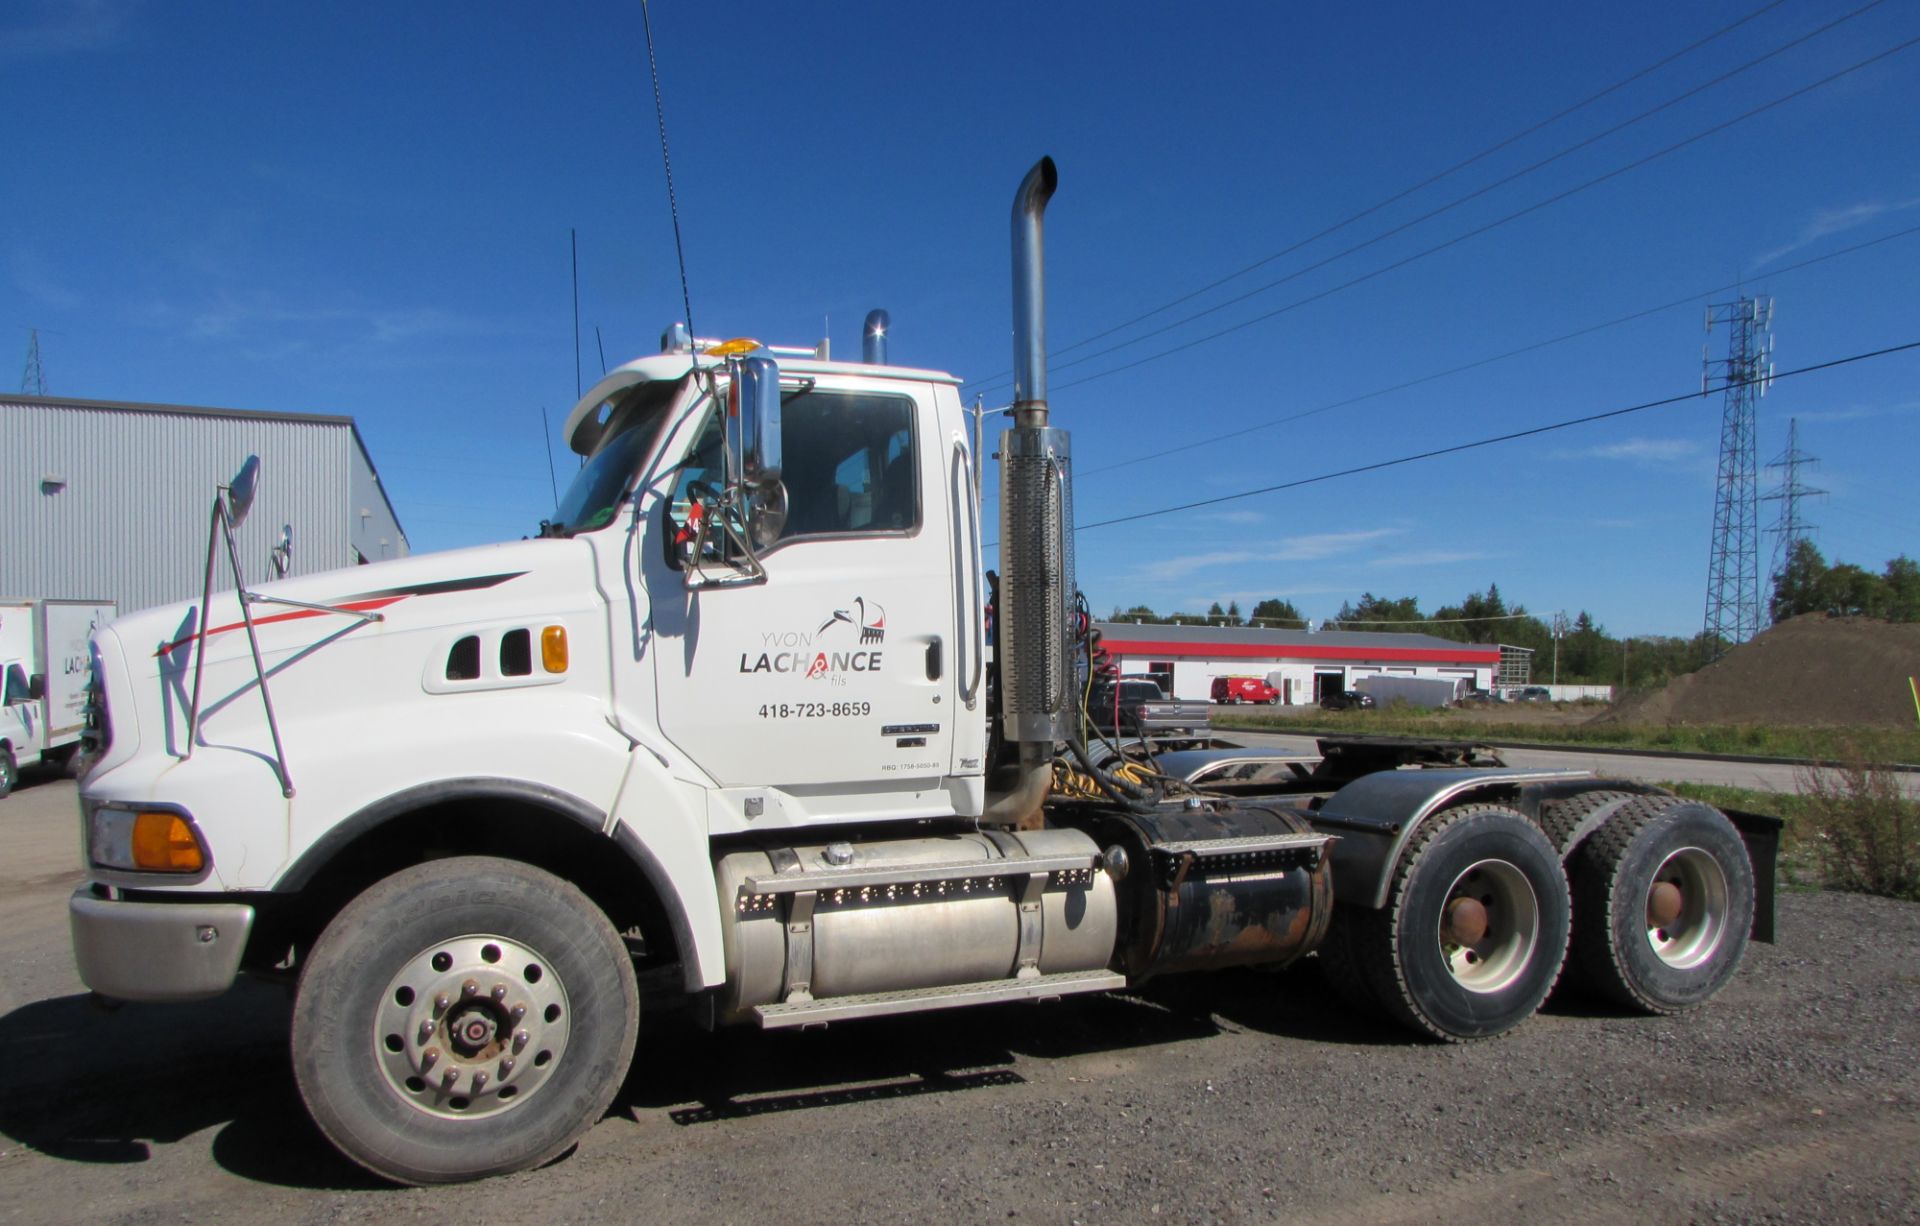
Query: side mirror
{"type": "Point", "coordinates": [755, 406]}
{"type": "Point", "coordinates": [240, 494]}
{"type": "Point", "coordinates": [37, 686]}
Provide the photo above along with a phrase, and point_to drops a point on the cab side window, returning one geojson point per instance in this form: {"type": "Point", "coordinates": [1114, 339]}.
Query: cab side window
{"type": "Point", "coordinates": [850, 464]}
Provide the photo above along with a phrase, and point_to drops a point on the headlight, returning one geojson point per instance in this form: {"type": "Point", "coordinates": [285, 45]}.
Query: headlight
{"type": "Point", "coordinates": [144, 841]}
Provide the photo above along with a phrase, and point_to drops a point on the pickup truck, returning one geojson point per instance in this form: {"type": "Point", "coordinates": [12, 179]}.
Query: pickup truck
{"type": "Point", "coordinates": [1140, 708]}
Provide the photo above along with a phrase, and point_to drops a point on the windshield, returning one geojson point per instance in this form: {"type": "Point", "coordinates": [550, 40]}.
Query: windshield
{"type": "Point", "coordinates": [633, 419]}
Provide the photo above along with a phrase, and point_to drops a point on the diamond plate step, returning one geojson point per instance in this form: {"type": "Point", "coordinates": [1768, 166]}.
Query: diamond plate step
{"type": "Point", "coordinates": [920, 1000]}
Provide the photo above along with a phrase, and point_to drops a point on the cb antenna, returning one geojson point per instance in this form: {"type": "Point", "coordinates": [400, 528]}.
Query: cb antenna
{"type": "Point", "coordinates": [673, 207]}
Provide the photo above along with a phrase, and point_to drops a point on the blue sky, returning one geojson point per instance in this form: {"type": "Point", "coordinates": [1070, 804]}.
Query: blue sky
{"type": "Point", "coordinates": [364, 209]}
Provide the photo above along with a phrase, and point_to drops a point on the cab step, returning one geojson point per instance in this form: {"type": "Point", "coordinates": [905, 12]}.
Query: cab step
{"type": "Point", "coordinates": [921, 1000]}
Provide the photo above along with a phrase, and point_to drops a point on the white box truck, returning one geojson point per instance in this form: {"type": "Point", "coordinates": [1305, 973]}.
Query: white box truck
{"type": "Point", "coordinates": [44, 667]}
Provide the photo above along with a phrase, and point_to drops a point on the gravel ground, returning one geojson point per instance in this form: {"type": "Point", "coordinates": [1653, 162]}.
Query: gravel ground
{"type": "Point", "coordinates": [1794, 1096]}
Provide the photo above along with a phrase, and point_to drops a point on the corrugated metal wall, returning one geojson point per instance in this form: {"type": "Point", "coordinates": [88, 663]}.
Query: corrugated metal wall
{"type": "Point", "coordinates": [102, 501]}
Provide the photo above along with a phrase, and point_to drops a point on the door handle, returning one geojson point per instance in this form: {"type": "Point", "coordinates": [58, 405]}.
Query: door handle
{"type": "Point", "coordinates": [933, 659]}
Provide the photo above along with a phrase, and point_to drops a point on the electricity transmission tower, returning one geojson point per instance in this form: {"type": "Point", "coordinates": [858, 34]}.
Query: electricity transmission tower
{"type": "Point", "coordinates": [33, 382]}
{"type": "Point", "coordinates": [1733, 567]}
{"type": "Point", "coordinates": [1791, 527]}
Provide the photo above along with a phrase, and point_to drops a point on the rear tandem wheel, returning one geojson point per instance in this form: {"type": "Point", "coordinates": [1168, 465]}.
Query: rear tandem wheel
{"type": "Point", "coordinates": [1663, 905]}
{"type": "Point", "coordinates": [1474, 931]}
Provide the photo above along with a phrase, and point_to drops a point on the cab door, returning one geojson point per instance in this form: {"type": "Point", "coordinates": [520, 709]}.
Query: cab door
{"type": "Point", "coordinates": [831, 682]}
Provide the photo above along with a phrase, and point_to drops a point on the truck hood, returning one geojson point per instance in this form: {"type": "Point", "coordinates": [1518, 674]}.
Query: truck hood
{"type": "Point", "coordinates": [411, 593]}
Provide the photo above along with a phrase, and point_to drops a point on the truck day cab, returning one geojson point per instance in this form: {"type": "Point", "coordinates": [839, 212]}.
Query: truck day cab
{"type": "Point", "coordinates": [733, 724]}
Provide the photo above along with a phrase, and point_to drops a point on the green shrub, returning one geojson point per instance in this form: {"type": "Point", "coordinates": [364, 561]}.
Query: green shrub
{"type": "Point", "coordinates": [1863, 833]}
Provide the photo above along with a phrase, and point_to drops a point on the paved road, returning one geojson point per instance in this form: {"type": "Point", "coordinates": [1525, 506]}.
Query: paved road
{"type": "Point", "coordinates": [1729, 772]}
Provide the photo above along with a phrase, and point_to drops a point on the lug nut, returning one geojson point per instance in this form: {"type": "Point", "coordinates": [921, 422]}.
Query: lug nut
{"type": "Point", "coordinates": [479, 1082]}
{"type": "Point", "coordinates": [429, 1058]}
{"type": "Point", "coordinates": [426, 1031]}
{"type": "Point", "coordinates": [516, 1013]}
{"type": "Point", "coordinates": [499, 992]}
{"type": "Point", "coordinates": [440, 1003]}
{"type": "Point", "coordinates": [469, 989]}
{"type": "Point", "coordinates": [519, 1041]}
{"type": "Point", "coordinates": [448, 1078]}
{"type": "Point", "coordinates": [506, 1068]}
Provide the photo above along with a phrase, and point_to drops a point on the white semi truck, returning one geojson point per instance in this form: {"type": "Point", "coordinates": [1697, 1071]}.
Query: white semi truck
{"type": "Point", "coordinates": [43, 680]}
{"type": "Point", "coordinates": [748, 722]}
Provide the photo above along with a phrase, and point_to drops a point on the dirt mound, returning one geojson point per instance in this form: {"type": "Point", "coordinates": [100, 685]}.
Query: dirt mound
{"type": "Point", "coordinates": [1810, 671]}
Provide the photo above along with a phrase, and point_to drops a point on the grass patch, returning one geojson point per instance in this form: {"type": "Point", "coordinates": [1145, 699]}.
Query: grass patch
{"type": "Point", "coordinates": [1758, 740]}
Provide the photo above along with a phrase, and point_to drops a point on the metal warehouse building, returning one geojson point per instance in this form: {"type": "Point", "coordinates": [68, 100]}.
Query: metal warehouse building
{"type": "Point", "coordinates": [1303, 667]}
{"type": "Point", "coordinates": [102, 500]}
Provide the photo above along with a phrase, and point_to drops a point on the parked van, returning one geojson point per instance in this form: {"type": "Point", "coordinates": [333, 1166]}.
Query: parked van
{"type": "Point", "coordinates": [1244, 689]}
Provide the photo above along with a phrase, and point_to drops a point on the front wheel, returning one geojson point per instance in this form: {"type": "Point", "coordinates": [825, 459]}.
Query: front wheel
{"type": "Point", "coordinates": [1663, 904]}
{"type": "Point", "coordinates": [1475, 927]}
{"type": "Point", "coordinates": [9, 772]}
{"type": "Point", "coordinates": [463, 1018]}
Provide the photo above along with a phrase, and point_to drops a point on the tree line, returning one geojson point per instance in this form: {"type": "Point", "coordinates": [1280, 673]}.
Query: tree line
{"type": "Point", "coordinates": [1586, 653]}
{"type": "Point", "coordinates": [1806, 584]}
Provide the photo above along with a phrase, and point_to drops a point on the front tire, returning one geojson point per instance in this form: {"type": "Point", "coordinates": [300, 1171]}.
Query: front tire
{"type": "Point", "coordinates": [463, 1018]}
{"type": "Point", "coordinates": [1475, 928]}
{"type": "Point", "coordinates": [1663, 905]}
{"type": "Point", "coordinates": [9, 772]}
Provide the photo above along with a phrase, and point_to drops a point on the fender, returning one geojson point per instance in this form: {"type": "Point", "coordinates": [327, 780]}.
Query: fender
{"type": "Point", "coordinates": [1376, 816]}
{"type": "Point", "coordinates": [660, 821]}
{"type": "Point", "coordinates": [399, 804]}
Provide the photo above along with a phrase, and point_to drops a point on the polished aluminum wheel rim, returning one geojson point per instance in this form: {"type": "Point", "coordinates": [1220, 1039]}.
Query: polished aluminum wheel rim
{"type": "Point", "coordinates": [1694, 935]}
{"type": "Point", "coordinates": [471, 1026]}
{"type": "Point", "coordinates": [1500, 955]}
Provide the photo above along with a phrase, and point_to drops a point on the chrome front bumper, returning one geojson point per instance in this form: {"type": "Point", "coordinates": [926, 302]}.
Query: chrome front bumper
{"type": "Point", "coordinates": [157, 951]}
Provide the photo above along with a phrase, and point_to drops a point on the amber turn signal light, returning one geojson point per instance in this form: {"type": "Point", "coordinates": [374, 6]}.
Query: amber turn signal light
{"type": "Point", "coordinates": [553, 649]}
{"type": "Point", "coordinates": [164, 843]}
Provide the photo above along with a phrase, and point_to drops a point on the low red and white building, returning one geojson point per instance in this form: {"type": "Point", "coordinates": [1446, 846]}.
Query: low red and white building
{"type": "Point", "coordinates": [1303, 666]}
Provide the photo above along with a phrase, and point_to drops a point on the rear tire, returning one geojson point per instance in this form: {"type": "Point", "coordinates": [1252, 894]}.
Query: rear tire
{"type": "Point", "coordinates": [1563, 819]}
{"type": "Point", "coordinates": [463, 1018]}
{"type": "Point", "coordinates": [1663, 905]}
{"type": "Point", "coordinates": [1480, 866]}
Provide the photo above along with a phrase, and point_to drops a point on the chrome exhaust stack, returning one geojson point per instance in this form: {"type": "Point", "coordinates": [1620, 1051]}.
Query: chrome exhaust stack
{"type": "Point", "coordinates": [1037, 594]}
{"type": "Point", "coordinates": [873, 338]}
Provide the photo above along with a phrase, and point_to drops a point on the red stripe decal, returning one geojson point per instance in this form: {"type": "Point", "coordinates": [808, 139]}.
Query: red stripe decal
{"type": "Point", "coordinates": [357, 606]}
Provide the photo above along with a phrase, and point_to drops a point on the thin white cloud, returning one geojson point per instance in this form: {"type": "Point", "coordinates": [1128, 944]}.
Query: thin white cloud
{"type": "Point", "coordinates": [1435, 557]}
{"type": "Point", "coordinates": [1638, 450]}
{"type": "Point", "coordinates": [1830, 221]}
{"type": "Point", "coordinates": [1311, 548]}
{"type": "Point", "coordinates": [1857, 412]}
{"type": "Point", "coordinates": [257, 316]}
{"type": "Point", "coordinates": [62, 27]}
{"type": "Point", "coordinates": [1235, 517]}
{"type": "Point", "coordinates": [31, 276]}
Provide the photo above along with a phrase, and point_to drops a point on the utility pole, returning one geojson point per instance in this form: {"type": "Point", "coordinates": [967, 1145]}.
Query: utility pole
{"type": "Point", "coordinates": [1559, 632]}
{"type": "Point", "coordinates": [1790, 528]}
{"type": "Point", "coordinates": [1733, 566]}
{"type": "Point", "coordinates": [34, 381]}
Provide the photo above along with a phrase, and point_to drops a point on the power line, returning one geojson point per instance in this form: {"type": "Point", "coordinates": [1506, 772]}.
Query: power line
{"type": "Point", "coordinates": [1488, 361]}
{"type": "Point", "coordinates": [1478, 443]}
{"type": "Point", "coordinates": [1556, 198]}
{"type": "Point", "coordinates": [1472, 195]}
{"type": "Point", "coordinates": [1405, 192]}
